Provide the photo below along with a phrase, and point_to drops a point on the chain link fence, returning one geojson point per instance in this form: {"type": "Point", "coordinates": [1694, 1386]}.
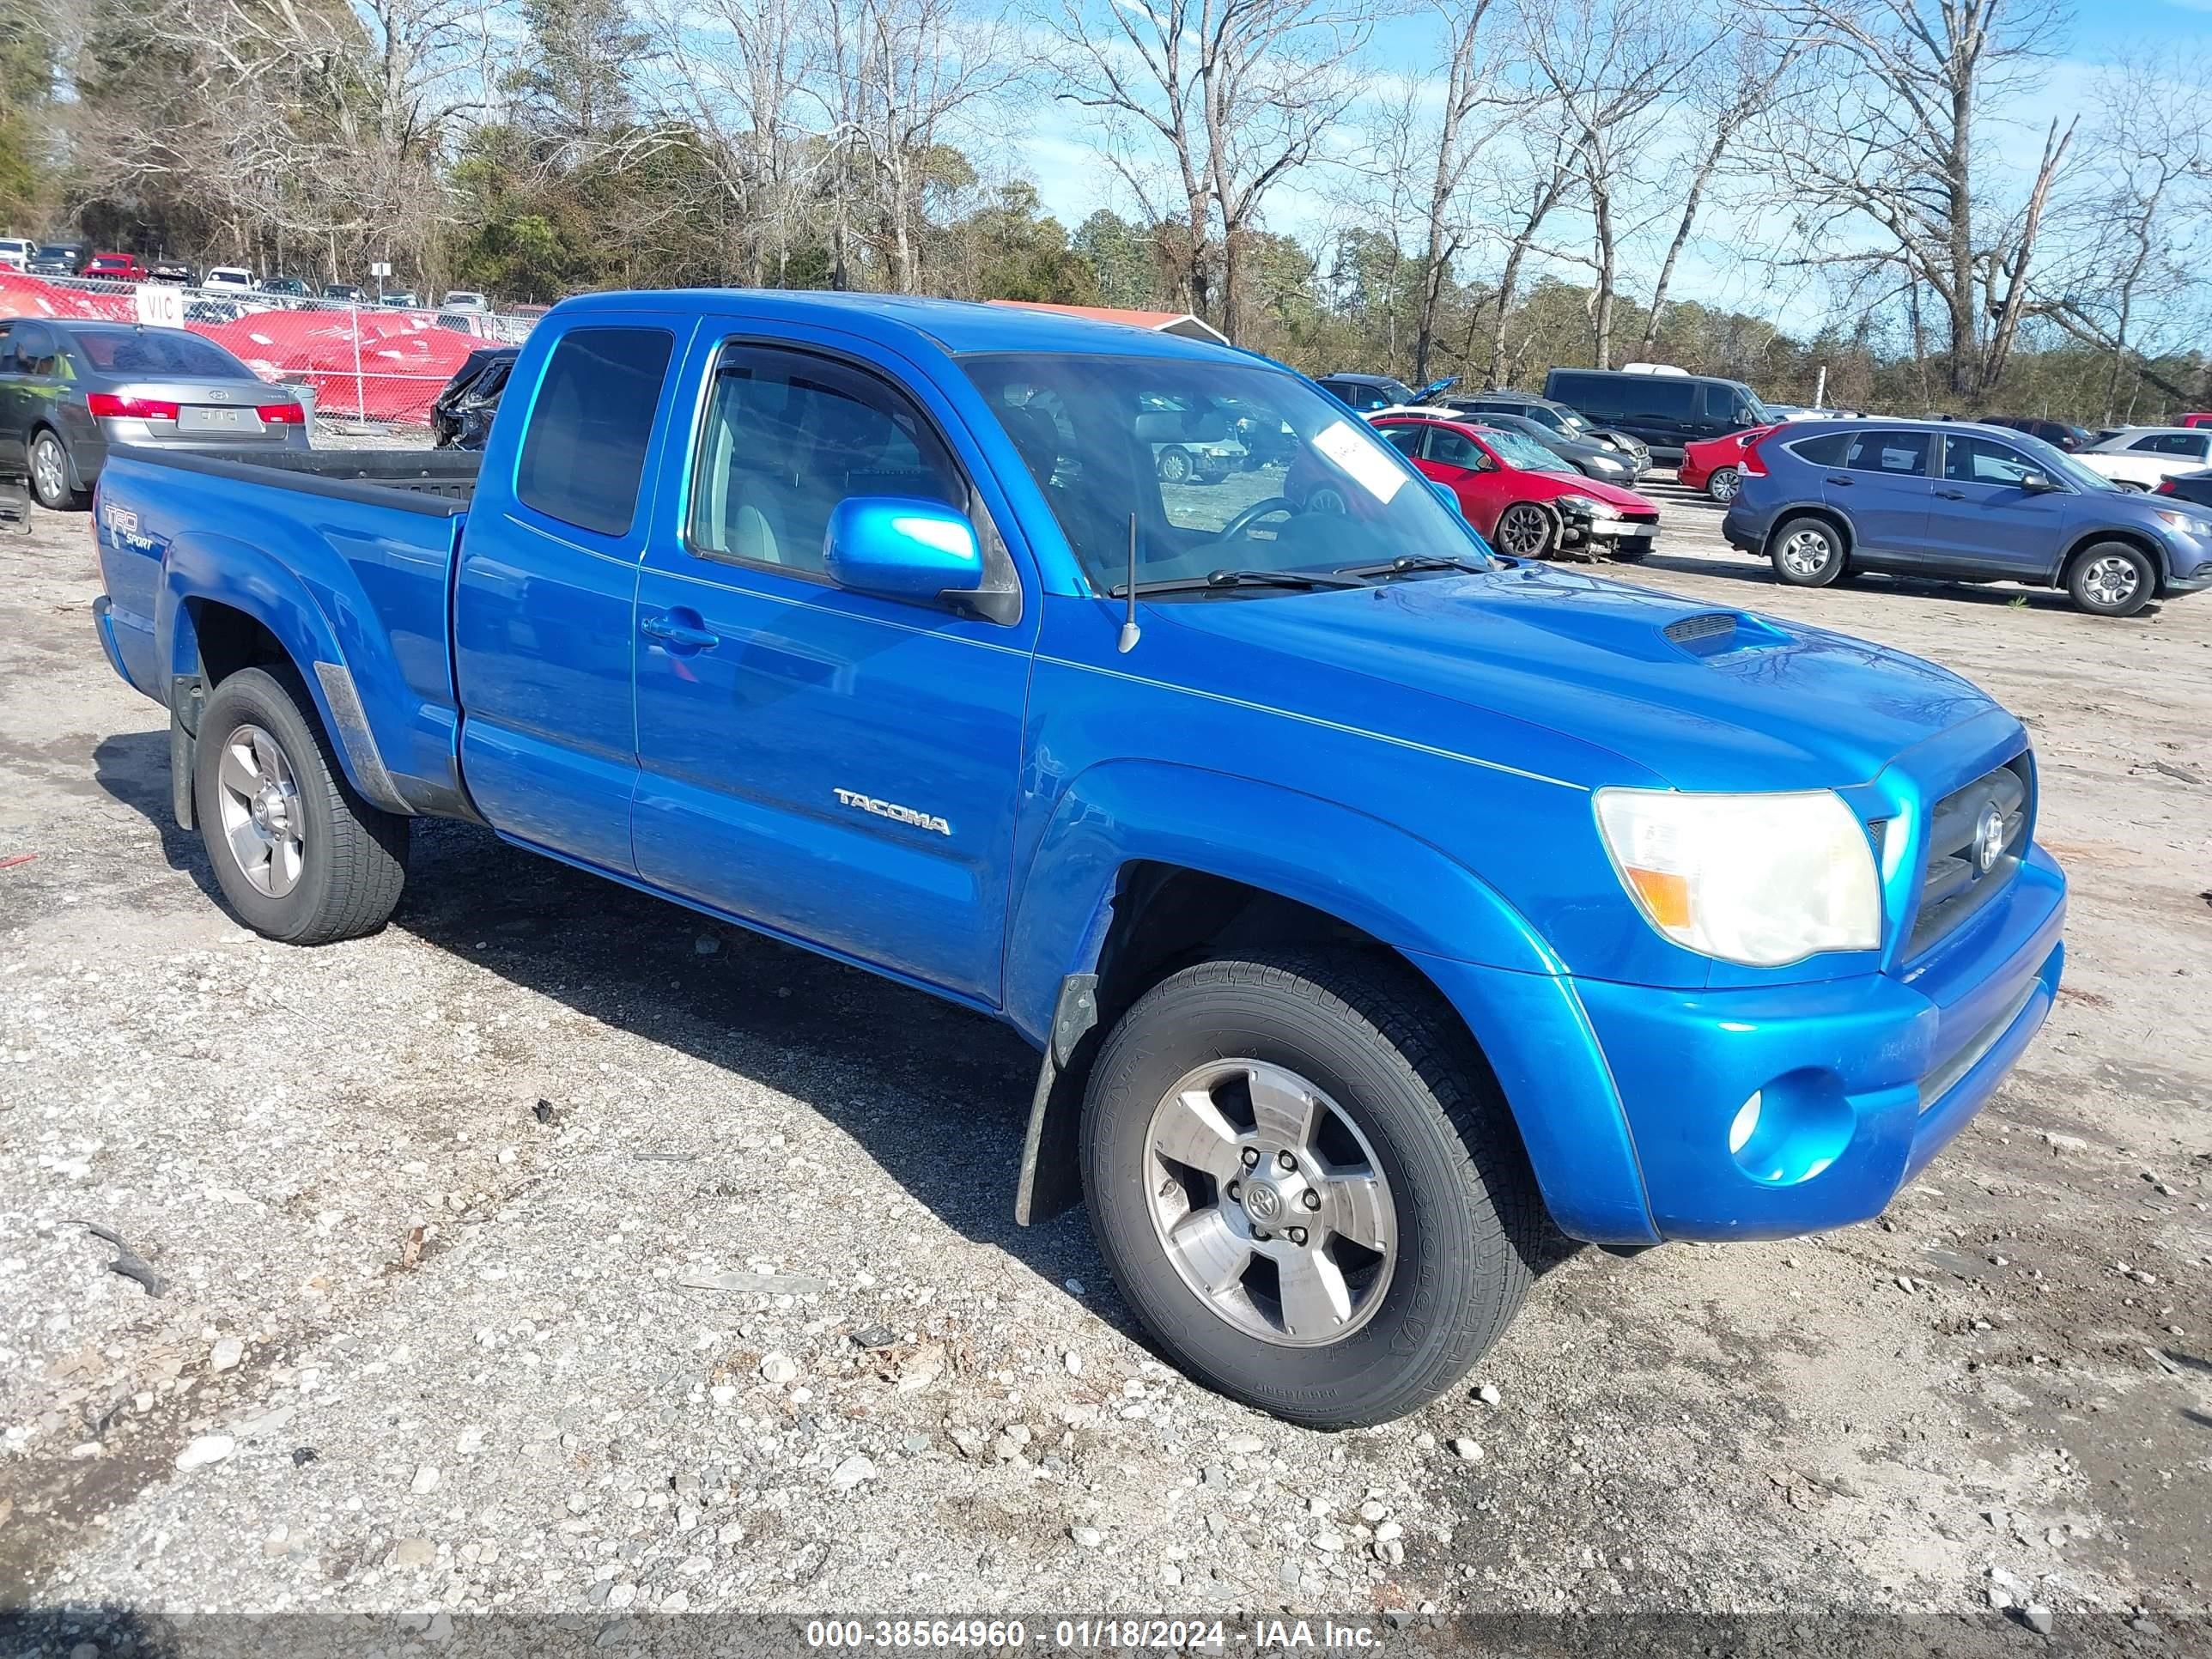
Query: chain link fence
{"type": "Point", "coordinates": [372, 362]}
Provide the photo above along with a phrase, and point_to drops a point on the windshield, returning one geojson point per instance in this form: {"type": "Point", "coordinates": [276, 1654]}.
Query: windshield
{"type": "Point", "coordinates": [1749, 411]}
{"type": "Point", "coordinates": [159, 351]}
{"type": "Point", "coordinates": [1519, 449]}
{"type": "Point", "coordinates": [1110, 439]}
{"type": "Point", "coordinates": [2058, 464]}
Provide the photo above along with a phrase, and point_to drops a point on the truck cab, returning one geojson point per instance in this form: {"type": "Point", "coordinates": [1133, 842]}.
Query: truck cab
{"type": "Point", "coordinates": [1375, 903]}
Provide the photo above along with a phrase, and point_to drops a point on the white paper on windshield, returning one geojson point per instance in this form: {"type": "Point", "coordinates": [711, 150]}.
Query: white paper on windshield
{"type": "Point", "coordinates": [1358, 457]}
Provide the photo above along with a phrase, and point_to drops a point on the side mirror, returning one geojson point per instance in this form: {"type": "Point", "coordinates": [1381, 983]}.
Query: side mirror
{"type": "Point", "coordinates": [1450, 497]}
{"type": "Point", "coordinates": [902, 548]}
{"type": "Point", "coordinates": [2037, 483]}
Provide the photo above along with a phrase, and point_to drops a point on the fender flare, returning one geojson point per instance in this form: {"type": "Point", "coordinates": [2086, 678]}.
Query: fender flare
{"type": "Point", "coordinates": [1298, 845]}
{"type": "Point", "coordinates": [223, 570]}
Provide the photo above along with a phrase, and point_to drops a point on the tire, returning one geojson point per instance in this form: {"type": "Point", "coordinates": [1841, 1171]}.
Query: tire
{"type": "Point", "coordinates": [1175, 466]}
{"type": "Point", "coordinates": [339, 877]}
{"type": "Point", "coordinates": [1407, 1097]}
{"type": "Point", "coordinates": [1723, 484]}
{"type": "Point", "coordinates": [2112, 578]}
{"type": "Point", "coordinates": [1527, 531]}
{"type": "Point", "coordinates": [50, 473]}
{"type": "Point", "coordinates": [1636, 554]}
{"type": "Point", "coordinates": [1807, 552]}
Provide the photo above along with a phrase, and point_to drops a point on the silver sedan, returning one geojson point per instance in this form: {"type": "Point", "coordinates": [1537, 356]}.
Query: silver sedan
{"type": "Point", "coordinates": [69, 390]}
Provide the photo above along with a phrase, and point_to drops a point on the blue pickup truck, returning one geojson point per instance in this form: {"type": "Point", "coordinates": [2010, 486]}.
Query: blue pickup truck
{"type": "Point", "coordinates": [1378, 904]}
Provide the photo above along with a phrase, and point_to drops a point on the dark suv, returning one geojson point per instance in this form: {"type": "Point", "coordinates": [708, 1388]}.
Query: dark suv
{"type": "Point", "coordinates": [1667, 410]}
{"type": "Point", "coordinates": [1826, 499]}
{"type": "Point", "coordinates": [1569, 423]}
{"type": "Point", "coordinates": [2058, 434]}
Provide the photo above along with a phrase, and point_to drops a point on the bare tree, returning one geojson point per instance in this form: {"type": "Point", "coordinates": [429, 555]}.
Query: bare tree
{"type": "Point", "coordinates": [1886, 160]}
{"type": "Point", "coordinates": [1526, 188]}
{"type": "Point", "coordinates": [1613, 66]}
{"type": "Point", "coordinates": [1226, 97]}
{"type": "Point", "coordinates": [1719, 107]}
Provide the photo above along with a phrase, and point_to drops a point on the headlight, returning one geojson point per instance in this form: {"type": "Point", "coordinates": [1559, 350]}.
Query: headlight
{"type": "Point", "coordinates": [1590, 505]}
{"type": "Point", "coordinates": [1764, 880]}
{"type": "Point", "coordinates": [1612, 462]}
{"type": "Point", "coordinates": [2186, 521]}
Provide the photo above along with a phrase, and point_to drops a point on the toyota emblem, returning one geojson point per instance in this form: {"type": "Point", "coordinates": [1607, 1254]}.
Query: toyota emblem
{"type": "Point", "coordinates": [1261, 1201]}
{"type": "Point", "coordinates": [1989, 840]}
{"type": "Point", "coordinates": [217, 395]}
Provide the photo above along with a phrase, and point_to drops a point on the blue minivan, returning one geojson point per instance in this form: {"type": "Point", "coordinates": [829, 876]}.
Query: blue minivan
{"type": "Point", "coordinates": [1823, 499]}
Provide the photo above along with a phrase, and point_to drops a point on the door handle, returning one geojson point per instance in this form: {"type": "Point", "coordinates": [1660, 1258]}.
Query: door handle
{"type": "Point", "coordinates": [677, 634]}
{"type": "Point", "coordinates": [1953, 495]}
{"type": "Point", "coordinates": [1842, 480]}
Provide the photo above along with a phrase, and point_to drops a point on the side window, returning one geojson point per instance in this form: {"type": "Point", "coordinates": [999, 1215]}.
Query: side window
{"type": "Point", "coordinates": [1667, 397]}
{"type": "Point", "coordinates": [584, 453]}
{"type": "Point", "coordinates": [1720, 401]}
{"type": "Point", "coordinates": [1406, 439]}
{"type": "Point", "coordinates": [37, 352]}
{"type": "Point", "coordinates": [1826, 450]}
{"type": "Point", "coordinates": [2164, 443]}
{"type": "Point", "coordinates": [1593, 394]}
{"type": "Point", "coordinates": [2194, 444]}
{"type": "Point", "coordinates": [6, 350]}
{"type": "Point", "coordinates": [1983, 460]}
{"type": "Point", "coordinates": [1905, 453]}
{"type": "Point", "coordinates": [787, 437]}
{"type": "Point", "coordinates": [1456, 449]}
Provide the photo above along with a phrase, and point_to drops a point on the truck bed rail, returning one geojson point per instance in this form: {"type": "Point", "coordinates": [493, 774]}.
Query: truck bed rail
{"type": "Point", "coordinates": [437, 483]}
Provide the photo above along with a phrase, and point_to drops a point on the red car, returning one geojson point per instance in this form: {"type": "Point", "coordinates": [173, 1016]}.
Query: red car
{"type": "Point", "coordinates": [1715, 465]}
{"type": "Point", "coordinates": [1524, 499]}
{"type": "Point", "coordinates": [114, 268]}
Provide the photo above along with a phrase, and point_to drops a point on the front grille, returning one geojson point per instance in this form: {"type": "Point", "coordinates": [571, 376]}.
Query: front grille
{"type": "Point", "coordinates": [1968, 864]}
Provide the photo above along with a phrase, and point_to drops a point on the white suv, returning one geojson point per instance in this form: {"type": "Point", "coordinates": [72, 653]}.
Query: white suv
{"type": "Point", "coordinates": [15, 253]}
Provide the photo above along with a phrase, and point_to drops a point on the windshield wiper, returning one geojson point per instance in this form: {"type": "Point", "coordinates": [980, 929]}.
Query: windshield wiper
{"type": "Point", "coordinates": [1226, 579]}
{"type": "Point", "coordinates": [1411, 563]}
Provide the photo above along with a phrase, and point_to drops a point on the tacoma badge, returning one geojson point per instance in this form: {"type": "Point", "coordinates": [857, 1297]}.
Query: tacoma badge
{"type": "Point", "coordinates": [884, 809]}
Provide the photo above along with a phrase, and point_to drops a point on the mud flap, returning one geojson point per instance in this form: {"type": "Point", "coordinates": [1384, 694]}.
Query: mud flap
{"type": "Point", "coordinates": [185, 698]}
{"type": "Point", "coordinates": [15, 505]}
{"type": "Point", "coordinates": [1051, 1179]}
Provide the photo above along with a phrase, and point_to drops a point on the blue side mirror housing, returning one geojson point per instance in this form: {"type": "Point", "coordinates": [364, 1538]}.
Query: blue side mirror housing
{"type": "Point", "coordinates": [902, 548]}
{"type": "Point", "coordinates": [1450, 497]}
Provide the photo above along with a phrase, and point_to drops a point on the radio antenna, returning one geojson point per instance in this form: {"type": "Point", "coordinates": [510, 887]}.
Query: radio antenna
{"type": "Point", "coordinates": [1130, 632]}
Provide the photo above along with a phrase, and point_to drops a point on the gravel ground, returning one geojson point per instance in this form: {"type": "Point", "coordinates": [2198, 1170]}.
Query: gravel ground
{"type": "Point", "coordinates": [557, 1250]}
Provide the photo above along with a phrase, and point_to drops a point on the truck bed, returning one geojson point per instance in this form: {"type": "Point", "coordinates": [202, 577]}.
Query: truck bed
{"type": "Point", "coordinates": [440, 483]}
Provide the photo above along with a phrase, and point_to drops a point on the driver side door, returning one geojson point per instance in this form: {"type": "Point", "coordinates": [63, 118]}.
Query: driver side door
{"type": "Point", "coordinates": [1464, 467]}
{"type": "Point", "coordinates": [834, 766]}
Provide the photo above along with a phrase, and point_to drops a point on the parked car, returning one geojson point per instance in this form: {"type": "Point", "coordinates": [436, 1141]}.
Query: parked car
{"type": "Point", "coordinates": [2195, 488]}
{"type": "Point", "coordinates": [461, 416]}
{"type": "Point", "coordinates": [1191, 442]}
{"type": "Point", "coordinates": [58, 259]}
{"type": "Point", "coordinates": [1666, 411]}
{"type": "Point", "coordinates": [464, 299]}
{"type": "Point", "coordinates": [2141, 455]}
{"type": "Point", "coordinates": [402, 298]}
{"type": "Point", "coordinates": [1569, 423]}
{"type": "Point", "coordinates": [848, 650]}
{"type": "Point", "coordinates": [1965, 503]}
{"type": "Point", "coordinates": [2199, 417]}
{"type": "Point", "coordinates": [15, 253]}
{"type": "Point", "coordinates": [1365, 393]}
{"type": "Point", "coordinates": [69, 390]}
{"type": "Point", "coordinates": [175, 272]}
{"type": "Point", "coordinates": [115, 267]}
{"type": "Point", "coordinates": [2059, 434]}
{"type": "Point", "coordinates": [1523, 498]}
{"type": "Point", "coordinates": [345, 292]}
{"type": "Point", "coordinates": [202, 308]}
{"type": "Point", "coordinates": [228, 276]}
{"type": "Point", "coordinates": [1592, 460]}
{"type": "Point", "coordinates": [288, 292]}
{"type": "Point", "coordinates": [1716, 465]}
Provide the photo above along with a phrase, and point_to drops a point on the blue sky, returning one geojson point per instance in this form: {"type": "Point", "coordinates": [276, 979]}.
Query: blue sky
{"type": "Point", "coordinates": [1073, 181]}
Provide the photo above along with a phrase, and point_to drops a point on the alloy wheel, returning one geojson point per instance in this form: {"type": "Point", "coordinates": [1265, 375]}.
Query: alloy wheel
{"type": "Point", "coordinates": [50, 469]}
{"type": "Point", "coordinates": [1270, 1203]}
{"type": "Point", "coordinates": [1524, 531]}
{"type": "Point", "coordinates": [1724, 485]}
{"type": "Point", "coordinates": [262, 817]}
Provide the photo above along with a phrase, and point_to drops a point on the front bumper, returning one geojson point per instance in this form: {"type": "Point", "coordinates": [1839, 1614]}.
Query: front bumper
{"type": "Point", "coordinates": [1631, 1099]}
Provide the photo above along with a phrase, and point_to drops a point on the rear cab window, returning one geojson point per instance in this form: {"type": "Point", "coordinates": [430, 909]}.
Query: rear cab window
{"type": "Point", "coordinates": [591, 424]}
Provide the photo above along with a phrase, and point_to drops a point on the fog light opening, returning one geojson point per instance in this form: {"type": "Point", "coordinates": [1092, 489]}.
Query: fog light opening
{"type": "Point", "coordinates": [1792, 1128]}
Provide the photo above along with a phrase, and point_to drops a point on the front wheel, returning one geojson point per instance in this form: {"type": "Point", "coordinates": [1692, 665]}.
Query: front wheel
{"type": "Point", "coordinates": [1526, 530]}
{"type": "Point", "coordinates": [299, 856]}
{"type": "Point", "coordinates": [2111, 579]}
{"type": "Point", "coordinates": [1307, 1185]}
{"type": "Point", "coordinates": [1175, 466]}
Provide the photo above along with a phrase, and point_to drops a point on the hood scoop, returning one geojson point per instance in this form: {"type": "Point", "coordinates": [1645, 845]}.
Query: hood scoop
{"type": "Point", "coordinates": [1711, 632]}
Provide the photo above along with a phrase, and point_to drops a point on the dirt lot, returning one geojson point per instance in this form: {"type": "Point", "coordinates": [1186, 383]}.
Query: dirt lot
{"type": "Point", "coordinates": [556, 1249]}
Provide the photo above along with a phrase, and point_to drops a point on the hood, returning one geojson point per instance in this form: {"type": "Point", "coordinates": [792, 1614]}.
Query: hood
{"type": "Point", "coordinates": [1613, 495]}
{"type": "Point", "coordinates": [1727, 701]}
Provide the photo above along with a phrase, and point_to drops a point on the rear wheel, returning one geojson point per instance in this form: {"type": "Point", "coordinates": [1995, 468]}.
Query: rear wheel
{"type": "Point", "coordinates": [50, 474]}
{"type": "Point", "coordinates": [1307, 1185]}
{"type": "Point", "coordinates": [1723, 484]}
{"type": "Point", "coordinates": [1807, 552]}
{"type": "Point", "coordinates": [299, 856]}
{"type": "Point", "coordinates": [2112, 578]}
{"type": "Point", "coordinates": [1526, 530]}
